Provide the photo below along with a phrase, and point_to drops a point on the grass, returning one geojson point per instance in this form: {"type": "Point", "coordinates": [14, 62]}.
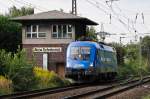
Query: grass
{"type": "Point", "coordinates": [5, 85]}
{"type": "Point", "coordinates": [48, 79]}
{"type": "Point", "coordinates": [146, 97]}
{"type": "Point", "coordinates": [132, 67]}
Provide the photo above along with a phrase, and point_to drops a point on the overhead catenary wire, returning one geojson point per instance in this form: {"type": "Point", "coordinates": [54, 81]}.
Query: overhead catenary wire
{"type": "Point", "coordinates": [94, 4]}
{"type": "Point", "coordinates": [120, 20]}
{"type": "Point", "coordinates": [130, 20]}
{"type": "Point", "coordinates": [127, 22]}
{"type": "Point", "coordinates": [127, 19]}
{"type": "Point", "coordinates": [106, 12]}
{"type": "Point", "coordinates": [135, 23]}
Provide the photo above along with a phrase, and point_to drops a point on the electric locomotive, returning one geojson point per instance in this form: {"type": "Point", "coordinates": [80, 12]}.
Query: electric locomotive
{"type": "Point", "coordinates": [87, 60]}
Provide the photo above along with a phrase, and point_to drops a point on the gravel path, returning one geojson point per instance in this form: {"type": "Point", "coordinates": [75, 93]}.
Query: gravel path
{"type": "Point", "coordinates": [136, 93]}
{"type": "Point", "coordinates": [62, 95]}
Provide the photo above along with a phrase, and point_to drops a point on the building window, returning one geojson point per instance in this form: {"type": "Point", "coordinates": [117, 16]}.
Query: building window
{"type": "Point", "coordinates": [62, 31]}
{"type": "Point", "coordinates": [35, 31]}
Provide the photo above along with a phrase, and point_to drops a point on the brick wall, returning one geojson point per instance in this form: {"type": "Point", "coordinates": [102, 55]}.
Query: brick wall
{"type": "Point", "coordinates": [54, 58]}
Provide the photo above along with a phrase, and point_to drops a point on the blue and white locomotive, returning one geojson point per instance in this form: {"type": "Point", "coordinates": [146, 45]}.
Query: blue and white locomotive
{"type": "Point", "coordinates": [87, 60]}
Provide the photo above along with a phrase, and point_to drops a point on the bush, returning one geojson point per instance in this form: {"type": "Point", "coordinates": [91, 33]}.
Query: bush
{"type": "Point", "coordinates": [5, 85]}
{"type": "Point", "coordinates": [48, 79]}
{"type": "Point", "coordinates": [17, 68]}
{"type": "Point", "coordinates": [146, 97]}
{"type": "Point", "coordinates": [132, 67]}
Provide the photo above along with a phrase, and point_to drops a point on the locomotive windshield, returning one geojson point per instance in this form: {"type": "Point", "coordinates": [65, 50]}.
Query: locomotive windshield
{"type": "Point", "coordinates": [80, 53]}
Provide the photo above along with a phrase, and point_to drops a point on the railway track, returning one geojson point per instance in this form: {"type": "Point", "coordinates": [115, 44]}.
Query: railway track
{"type": "Point", "coordinates": [110, 91]}
{"type": "Point", "coordinates": [29, 94]}
{"type": "Point", "coordinates": [41, 92]}
{"type": "Point", "coordinates": [70, 92]}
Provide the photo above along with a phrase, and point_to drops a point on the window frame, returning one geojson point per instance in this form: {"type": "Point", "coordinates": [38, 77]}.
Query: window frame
{"type": "Point", "coordinates": [37, 32]}
{"type": "Point", "coordinates": [75, 56]}
{"type": "Point", "coordinates": [62, 34]}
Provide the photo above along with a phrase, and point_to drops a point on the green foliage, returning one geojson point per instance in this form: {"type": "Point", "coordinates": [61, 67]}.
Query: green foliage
{"type": "Point", "coordinates": [23, 75]}
{"type": "Point", "coordinates": [120, 51]}
{"type": "Point", "coordinates": [132, 51]}
{"type": "Point", "coordinates": [10, 34]}
{"type": "Point", "coordinates": [14, 12]}
{"type": "Point", "coordinates": [145, 45]}
{"type": "Point", "coordinates": [11, 31]}
{"type": "Point", "coordinates": [134, 65]}
{"type": "Point", "coordinates": [146, 97]}
{"type": "Point", "coordinates": [47, 79]}
{"type": "Point", "coordinates": [5, 85]}
{"type": "Point", "coordinates": [90, 33]}
{"type": "Point", "coordinates": [17, 68]}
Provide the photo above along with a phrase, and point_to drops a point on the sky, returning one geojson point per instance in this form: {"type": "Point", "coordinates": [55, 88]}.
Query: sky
{"type": "Point", "coordinates": [123, 22]}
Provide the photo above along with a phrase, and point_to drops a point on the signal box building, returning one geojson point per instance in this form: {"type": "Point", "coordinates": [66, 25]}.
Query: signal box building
{"type": "Point", "coordinates": [46, 36]}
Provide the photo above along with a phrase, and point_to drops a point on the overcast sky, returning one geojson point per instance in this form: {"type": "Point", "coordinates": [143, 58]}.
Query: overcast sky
{"type": "Point", "coordinates": [123, 14]}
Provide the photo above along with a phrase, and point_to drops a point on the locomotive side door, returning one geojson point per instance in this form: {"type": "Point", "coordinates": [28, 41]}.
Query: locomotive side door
{"type": "Point", "coordinates": [97, 60]}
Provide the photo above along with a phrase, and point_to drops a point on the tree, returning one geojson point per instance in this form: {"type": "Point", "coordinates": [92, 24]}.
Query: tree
{"type": "Point", "coordinates": [145, 43]}
{"type": "Point", "coordinates": [89, 36]}
{"type": "Point", "coordinates": [14, 12]}
{"type": "Point", "coordinates": [120, 51]}
{"type": "Point", "coordinates": [145, 48]}
{"type": "Point", "coordinates": [10, 34]}
{"type": "Point", "coordinates": [90, 33]}
{"type": "Point", "coordinates": [17, 68]}
{"type": "Point", "coordinates": [10, 31]}
{"type": "Point", "coordinates": [132, 51]}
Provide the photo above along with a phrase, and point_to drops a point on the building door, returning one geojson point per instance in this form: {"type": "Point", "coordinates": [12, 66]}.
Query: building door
{"type": "Point", "coordinates": [60, 69]}
{"type": "Point", "coordinates": [45, 61]}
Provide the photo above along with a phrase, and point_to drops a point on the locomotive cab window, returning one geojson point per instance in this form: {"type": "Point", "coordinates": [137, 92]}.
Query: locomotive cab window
{"type": "Point", "coordinates": [80, 53]}
{"type": "Point", "coordinates": [85, 53]}
{"type": "Point", "coordinates": [75, 53]}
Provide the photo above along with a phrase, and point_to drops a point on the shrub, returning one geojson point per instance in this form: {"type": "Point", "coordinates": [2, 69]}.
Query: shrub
{"type": "Point", "coordinates": [17, 68]}
{"type": "Point", "coordinates": [5, 85]}
{"type": "Point", "coordinates": [48, 79]}
{"type": "Point", "coordinates": [132, 67]}
{"type": "Point", "coordinates": [146, 97]}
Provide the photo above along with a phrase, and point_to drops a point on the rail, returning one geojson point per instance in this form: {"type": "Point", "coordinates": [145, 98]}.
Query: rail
{"type": "Point", "coordinates": [66, 89]}
{"type": "Point", "coordinates": [34, 93]}
{"type": "Point", "coordinates": [112, 90]}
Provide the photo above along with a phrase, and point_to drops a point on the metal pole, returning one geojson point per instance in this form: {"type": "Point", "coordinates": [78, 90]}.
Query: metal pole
{"type": "Point", "coordinates": [121, 39]}
{"type": "Point", "coordinates": [140, 53]}
{"type": "Point", "coordinates": [140, 58]}
{"type": "Point", "coordinates": [74, 7]}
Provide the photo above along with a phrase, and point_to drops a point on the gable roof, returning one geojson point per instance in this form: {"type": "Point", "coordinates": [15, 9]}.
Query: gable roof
{"type": "Point", "coordinates": [53, 15]}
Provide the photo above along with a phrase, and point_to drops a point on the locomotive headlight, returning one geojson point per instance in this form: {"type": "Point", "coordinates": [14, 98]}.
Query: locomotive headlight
{"type": "Point", "coordinates": [91, 68]}
{"type": "Point", "coordinates": [68, 65]}
{"type": "Point", "coordinates": [91, 65]}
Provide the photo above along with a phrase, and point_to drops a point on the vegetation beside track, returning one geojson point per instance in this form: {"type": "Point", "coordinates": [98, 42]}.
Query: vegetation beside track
{"type": "Point", "coordinates": [146, 97]}
{"type": "Point", "coordinates": [18, 74]}
{"type": "Point", "coordinates": [133, 58]}
{"type": "Point", "coordinates": [48, 79]}
{"type": "Point", "coordinates": [5, 85]}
